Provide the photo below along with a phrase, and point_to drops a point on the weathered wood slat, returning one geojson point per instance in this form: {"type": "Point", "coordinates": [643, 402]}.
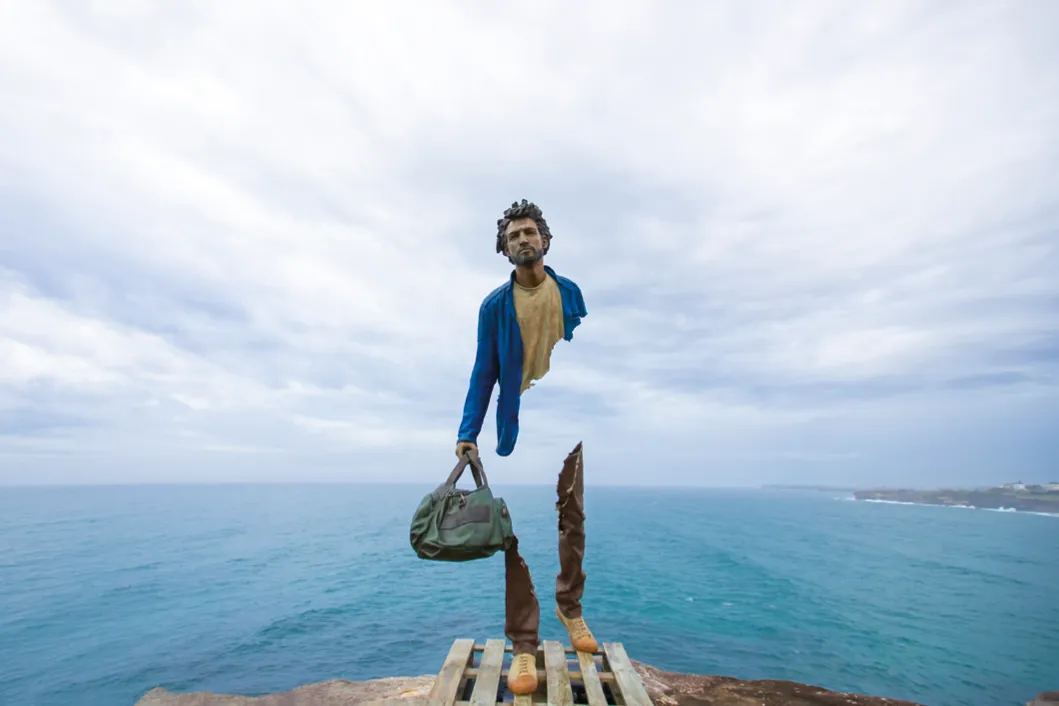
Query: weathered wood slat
{"type": "Point", "coordinates": [558, 677]}
{"type": "Point", "coordinates": [605, 677]}
{"type": "Point", "coordinates": [487, 682]}
{"type": "Point", "coordinates": [589, 676]}
{"type": "Point", "coordinates": [523, 700]}
{"type": "Point", "coordinates": [480, 647]}
{"type": "Point", "coordinates": [447, 684]}
{"type": "Point", "coordinates": [632, 689]}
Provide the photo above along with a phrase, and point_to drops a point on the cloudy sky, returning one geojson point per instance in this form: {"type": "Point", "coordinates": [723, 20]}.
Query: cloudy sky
{"type": "Point", "coordinates": [248, 241]}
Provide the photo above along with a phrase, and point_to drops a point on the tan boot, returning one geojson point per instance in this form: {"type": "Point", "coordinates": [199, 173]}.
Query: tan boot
{"type": "Point", "coordinates": [580, 636]}
{"type": "Point", "coordinates": [522, 677]}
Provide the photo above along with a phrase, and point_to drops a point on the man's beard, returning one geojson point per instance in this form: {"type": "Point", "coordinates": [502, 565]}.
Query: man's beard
{"type": "Point", "coordinates": [527, 257]}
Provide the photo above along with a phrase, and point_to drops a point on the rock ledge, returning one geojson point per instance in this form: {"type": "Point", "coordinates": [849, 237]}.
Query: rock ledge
{"type": "Point", "coordinates": [665, 689]}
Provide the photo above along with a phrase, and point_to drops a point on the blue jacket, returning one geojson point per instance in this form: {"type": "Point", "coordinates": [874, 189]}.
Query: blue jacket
{"type": "Point", "coordinates": [499, 357]}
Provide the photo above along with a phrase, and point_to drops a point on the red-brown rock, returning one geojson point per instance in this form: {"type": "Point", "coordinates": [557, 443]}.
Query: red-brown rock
{"type": "Point", "coordinates": [665, 689]}
{"type": "Point", "coordinates": [675, 689]}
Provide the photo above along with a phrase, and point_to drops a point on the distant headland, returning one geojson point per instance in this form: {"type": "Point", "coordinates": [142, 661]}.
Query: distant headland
{"type": "Point", "coordinates": [1010, 496]}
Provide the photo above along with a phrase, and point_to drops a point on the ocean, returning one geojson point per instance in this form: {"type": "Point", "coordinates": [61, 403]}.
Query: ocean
{"type": "Point", "coordinates": [107, 592]}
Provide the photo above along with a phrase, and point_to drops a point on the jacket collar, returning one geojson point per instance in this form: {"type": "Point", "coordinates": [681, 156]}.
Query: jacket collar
{"type": "Point", "coordinates": [550, 271]}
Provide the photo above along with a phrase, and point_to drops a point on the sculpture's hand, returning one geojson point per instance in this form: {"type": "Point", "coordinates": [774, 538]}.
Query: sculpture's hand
{"type": "Point", "coordinates": [463, 447]}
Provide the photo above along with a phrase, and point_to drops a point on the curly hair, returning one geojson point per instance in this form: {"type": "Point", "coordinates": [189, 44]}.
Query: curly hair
{"type": "Point", "coordinates": [526, 209]}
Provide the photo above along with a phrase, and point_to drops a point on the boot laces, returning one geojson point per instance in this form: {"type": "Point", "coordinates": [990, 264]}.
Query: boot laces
{"type": "Point", "coordinates": [579, 627]}
{"type": "Point", "coordinates": [523, 665]}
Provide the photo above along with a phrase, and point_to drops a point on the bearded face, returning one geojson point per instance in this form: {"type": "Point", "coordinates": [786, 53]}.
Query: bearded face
{"type": "Point", "coordinates": [525, 245]}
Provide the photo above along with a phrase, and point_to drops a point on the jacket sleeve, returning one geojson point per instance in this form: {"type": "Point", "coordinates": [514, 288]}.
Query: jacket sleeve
{"type": "Point", "coordinates": [483, 376]}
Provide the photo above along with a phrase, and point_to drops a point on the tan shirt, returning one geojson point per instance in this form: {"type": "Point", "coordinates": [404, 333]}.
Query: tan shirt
{"type": "Point", "coordinates": [540, 319]}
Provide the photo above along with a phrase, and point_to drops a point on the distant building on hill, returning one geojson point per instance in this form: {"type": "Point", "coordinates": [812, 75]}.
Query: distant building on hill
{"type": "Point", "coordinates": [1052, 487]}
{"type": "Point", "coordinates": [1015, 486]}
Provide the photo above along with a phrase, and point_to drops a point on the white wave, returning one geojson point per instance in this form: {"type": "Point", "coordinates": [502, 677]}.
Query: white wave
{"type": "Point", "coordinates": [890, 502]}
{"type": "Point", "coordinates": [964, 507]}
{"type": "Point", "coordinates": [908, 502]}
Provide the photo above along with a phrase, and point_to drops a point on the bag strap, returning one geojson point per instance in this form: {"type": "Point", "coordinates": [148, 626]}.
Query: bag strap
{"type": "Point", "coordinates": [472, 458]}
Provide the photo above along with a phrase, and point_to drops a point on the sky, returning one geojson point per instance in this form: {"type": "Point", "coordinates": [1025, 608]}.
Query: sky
{"type": "Point", "coordinates": [244, 241]}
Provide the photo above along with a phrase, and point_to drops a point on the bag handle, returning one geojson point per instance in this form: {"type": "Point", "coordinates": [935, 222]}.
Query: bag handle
{"type": "Point", "coordinates": [471, 457]}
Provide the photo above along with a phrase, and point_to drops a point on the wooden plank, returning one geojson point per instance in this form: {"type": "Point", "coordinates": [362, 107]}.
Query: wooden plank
{"type": "Point", "coordinates": [447, 684]}
{"type": "Point", "coordinates": [605, 677]}
{"type": "Point", "coordinates": [632, 689]}
{"type": "Point", "coordinates": [590, 678]}
{"type": "Point", "coordinates": [487, 682]}
{"type": "Point", "coordinates": [479, 647]}
{"type": "Point", "coordinates": [523, 700]}
{"type": "Point", "coordinates": [559, 691]}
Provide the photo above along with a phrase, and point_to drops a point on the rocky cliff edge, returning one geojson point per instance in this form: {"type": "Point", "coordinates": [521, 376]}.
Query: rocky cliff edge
{"type": "Point", "coordinates": [665, 689]}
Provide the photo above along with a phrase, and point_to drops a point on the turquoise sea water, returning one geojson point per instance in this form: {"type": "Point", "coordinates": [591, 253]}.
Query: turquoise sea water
{"type": "Point", "coordinates": [108, 592]}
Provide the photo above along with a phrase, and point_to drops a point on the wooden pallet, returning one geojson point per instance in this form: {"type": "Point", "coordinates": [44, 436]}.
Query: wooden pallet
{"type": "Point", "coordinates": [476, 675]}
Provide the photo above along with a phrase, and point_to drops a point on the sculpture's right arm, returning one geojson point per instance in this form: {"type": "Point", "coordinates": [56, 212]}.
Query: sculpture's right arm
{"type": "Point", "coordinates": [484, 375]}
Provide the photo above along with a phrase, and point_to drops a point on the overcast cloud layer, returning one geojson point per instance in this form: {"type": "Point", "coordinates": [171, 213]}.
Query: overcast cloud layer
{"type": "Point", "coordinates": [248, 241]}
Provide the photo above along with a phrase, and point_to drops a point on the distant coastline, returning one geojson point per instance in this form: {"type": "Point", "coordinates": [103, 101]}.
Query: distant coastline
{"type": "Point", "coordinates": [1011, 496]}
{"type": "Point", "coordinates": [1000, 498]}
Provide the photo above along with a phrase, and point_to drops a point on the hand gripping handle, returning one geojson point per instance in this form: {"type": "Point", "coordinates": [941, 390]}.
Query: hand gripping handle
{"type": "Point", "coordinates": [470, 457]}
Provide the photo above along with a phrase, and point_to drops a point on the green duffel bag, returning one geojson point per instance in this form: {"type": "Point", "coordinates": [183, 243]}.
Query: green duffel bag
{"type": "Point", "coordinates": [452, 524]}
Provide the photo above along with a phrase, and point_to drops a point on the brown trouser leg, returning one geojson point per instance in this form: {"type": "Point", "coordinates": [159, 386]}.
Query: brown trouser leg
{"type": "Point", "coordinates": [570, 583]}
{"type": "Point", "coordinates": [523, 612]}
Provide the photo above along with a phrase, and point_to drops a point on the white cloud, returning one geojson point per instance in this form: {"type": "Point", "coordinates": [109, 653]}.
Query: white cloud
{"type": "Point", "coordinates": [242, 230]}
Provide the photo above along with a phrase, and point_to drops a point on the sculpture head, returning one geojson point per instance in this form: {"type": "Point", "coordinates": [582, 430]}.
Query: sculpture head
{"type": "Point", "coordinates": [522, 235]}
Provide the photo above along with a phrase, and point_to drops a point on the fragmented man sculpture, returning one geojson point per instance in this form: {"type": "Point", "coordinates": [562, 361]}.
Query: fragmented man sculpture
{"type": "Point", "coordinates": [519, 324]}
